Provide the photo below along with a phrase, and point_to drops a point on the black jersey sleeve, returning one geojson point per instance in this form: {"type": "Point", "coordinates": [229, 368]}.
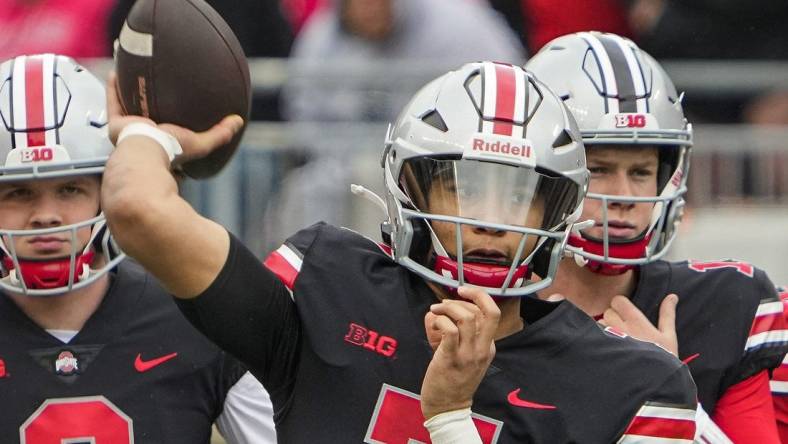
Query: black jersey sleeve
{"type": "Point", "coordinates": [767, 337]}
{"type": "Point", "coordinates": [668, 413]}
{"type": "Point", "coordinates": [248, 312]}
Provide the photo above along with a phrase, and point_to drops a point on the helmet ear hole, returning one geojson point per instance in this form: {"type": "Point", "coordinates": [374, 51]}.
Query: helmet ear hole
{"type": "Point", "coordinates": [422, 241]}
{"type": "Point", "coordinates": [540, 264]}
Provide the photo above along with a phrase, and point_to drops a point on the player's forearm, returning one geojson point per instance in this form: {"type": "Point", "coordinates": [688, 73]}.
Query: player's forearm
{"type": "Point", "coordinates": [137, 184]}
{"type": "Point", "coordinates": [154, 225]}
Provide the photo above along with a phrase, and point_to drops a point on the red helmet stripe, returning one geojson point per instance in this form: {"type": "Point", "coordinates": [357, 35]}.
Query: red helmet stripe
{"type": "Point", "coordinates": [34, 100]}
{"type": "Point", "coordinates": [504, 100]}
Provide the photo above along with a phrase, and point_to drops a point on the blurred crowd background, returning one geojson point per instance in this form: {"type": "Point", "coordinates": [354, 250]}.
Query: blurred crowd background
{"type": "Point", "coordinates": [329, 75]}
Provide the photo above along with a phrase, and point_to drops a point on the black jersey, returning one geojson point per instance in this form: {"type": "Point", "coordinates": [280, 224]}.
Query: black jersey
{"type": "Point", "coordinates": [338, 340]}
{"type": "Point", "coordinates": [729, 320]}
{"type": "Point", "coordinates": [136, 372]}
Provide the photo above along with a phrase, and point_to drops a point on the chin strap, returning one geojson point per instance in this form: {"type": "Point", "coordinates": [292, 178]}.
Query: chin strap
{"type": "Point", "coordinates": [479, 274]}
{"type": "Point", "coordinates": [629, 250]}
{"type": "Point", "coordinates": [50, 273]}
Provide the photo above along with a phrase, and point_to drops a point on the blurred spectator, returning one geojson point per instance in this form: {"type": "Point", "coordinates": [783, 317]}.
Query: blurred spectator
{"type": "Point", "coordinates": [512, 11]}
{"type": "Point", "coordinates": [76, 28]}
{"type": "Point", "coordinates": [364, 36]}
{"type": "Point", "coordinates": [438, 33]}
{"type": "Point", "coordinates": [545, 20]}
{"type": "Point", "coordinates": [724, 29]}
{"type": "Point", "coordinates": [719, 29]}
{"type": "Point", "coordinates": [298, 12]}
{"type": "Point", "coordinates": [712, 29]}
{"type": "Point", "coordinates": [261, 29]}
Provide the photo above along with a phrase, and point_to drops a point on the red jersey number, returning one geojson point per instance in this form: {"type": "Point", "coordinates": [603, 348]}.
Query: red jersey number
{"type": "Point", "coordinates": [742, 267]}
{"type": "Point", "coordinates": [76, 420]}
{"type": "Point", "coordinates": [398, 420]}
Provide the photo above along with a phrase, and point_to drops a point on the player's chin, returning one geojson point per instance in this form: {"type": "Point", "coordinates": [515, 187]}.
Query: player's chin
{"type": "Point", "coordinates": [43, 254]}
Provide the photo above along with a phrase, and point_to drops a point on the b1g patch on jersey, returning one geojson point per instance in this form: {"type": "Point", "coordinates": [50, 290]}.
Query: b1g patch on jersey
{"type": "Point", "coordinates": [660, 422]}
{"type": "Point", "coordinates": [397, 418]}
{"type": "Point", "coordinates": [371, 340]}
{"type": "Point", "coordinates": [704, 266]}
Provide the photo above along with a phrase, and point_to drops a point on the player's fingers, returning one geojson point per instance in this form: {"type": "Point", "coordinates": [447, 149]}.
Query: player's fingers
{"type": "Point", "coordinates": [627, 310]}
{"type": "Point", "coordinates": [220, 134]}
{"type": "Point", "coordinates": [612, 319]}
{"type": "Point", "coordinates": [433, 334]}
{"type": "Point", "coordinates": [197, 145]}
{"type": "Point", "coordinates": [667, 314]}
{"type": "Point", "coordinates": [448, 332]}
{"type": "Point", "coordinates": [491, 313]}
{"type": "Point", "coordinates": [465, 316]}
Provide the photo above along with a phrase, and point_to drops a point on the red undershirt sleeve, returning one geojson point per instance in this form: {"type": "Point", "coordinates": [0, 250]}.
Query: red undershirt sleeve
{"type": "Point", "coordinates": [745, 412]}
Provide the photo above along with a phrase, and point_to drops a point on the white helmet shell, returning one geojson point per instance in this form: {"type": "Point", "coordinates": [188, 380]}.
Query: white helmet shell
{"type": "Point", "coordinates": [53, 123]}
{"type": "Point", "coordinates": [620, 95]}
{"type": "Point", "coordinates": [487, 114]}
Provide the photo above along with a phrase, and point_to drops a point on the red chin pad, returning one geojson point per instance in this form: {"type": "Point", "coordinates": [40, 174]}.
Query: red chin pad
{"type": "Point", "coordinates": [48, 274]}
{"type": "Point", "coordinates": [629, 250]}
{"type": "Point", "coordinates": [482, 275]}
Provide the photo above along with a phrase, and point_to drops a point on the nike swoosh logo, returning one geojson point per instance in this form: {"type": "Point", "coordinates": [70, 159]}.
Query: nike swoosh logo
{"type": "Point", "coordinates": [691, 358]}
{"type": "Point", "coordinates": [516, 401]}
{"type": "Point", "coordinates": [144, 366]}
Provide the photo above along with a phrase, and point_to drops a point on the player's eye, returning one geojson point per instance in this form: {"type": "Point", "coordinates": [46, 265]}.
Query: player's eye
{"type": "Point", "coordinates": [643, 172]}
{"type": "Point", "coordinates": [71, 189]}
{"type": "Point", "coordinates": [16, 193]}
{"type": "Point", "coordinates": [597, 170]}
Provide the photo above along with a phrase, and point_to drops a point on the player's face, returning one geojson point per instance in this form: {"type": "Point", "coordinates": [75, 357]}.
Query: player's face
{"type": "Point", "coordinates": [621, 171]}
{"type": "Point", "coordinates": [369, 19]}
{"type": "Point", "coordinates": [485, 203]}
{"type": "Point", "coordinates": [51, 203]}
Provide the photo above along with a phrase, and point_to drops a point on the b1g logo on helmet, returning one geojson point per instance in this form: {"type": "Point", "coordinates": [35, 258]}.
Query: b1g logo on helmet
{"type": "Point", "coordinates": [22, 156]}
{"type": "Point", "coordinates": [42, 154]}
{"type": "Point", "coordinates": [631, 120]}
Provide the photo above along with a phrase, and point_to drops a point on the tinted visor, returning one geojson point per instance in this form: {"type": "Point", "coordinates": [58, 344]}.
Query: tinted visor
{"type": "Point", "coordinates": [489, 192]}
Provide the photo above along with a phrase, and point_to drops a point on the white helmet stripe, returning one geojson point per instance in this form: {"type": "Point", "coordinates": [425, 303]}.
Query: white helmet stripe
{"type": "Point", "coordinates": [520, 96]}
{"type": "Point", "coordinates": [622, 72]}
{"type": "Point", "coordinates": [33, 100]}
{"type": "Point", "coordinates": [48, 89]}
{"type": "Point", "coordinates": [606, 70]}
{"type": "Point", "coordinates": [19, 109]}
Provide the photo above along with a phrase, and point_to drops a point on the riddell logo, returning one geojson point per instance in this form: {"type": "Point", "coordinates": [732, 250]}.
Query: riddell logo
{"type": "Point", "coordinates": [371, 340]}
{"type": "Point", "coordinates": [523, 151]}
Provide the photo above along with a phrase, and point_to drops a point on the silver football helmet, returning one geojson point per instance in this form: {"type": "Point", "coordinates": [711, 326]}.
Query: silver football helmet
{"type": "Point", "coordinates": [54, 125]}
{"type": "Point", "coordinates": [483, 149]}
{"type": "Point", "coordinates": [621, 96]}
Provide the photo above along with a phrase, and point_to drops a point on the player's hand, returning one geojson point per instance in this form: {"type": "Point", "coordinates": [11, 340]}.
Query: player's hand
{"type": "Point", "coordinates": [194, 144]}
{"type": "Point", "coordinates": [462, 333]}
{"type": "Point", "coordinates": [624, 316]}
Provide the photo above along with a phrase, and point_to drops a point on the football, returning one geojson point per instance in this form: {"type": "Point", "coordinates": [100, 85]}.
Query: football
{"type": "Point", "coordinates": [177, 61]}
